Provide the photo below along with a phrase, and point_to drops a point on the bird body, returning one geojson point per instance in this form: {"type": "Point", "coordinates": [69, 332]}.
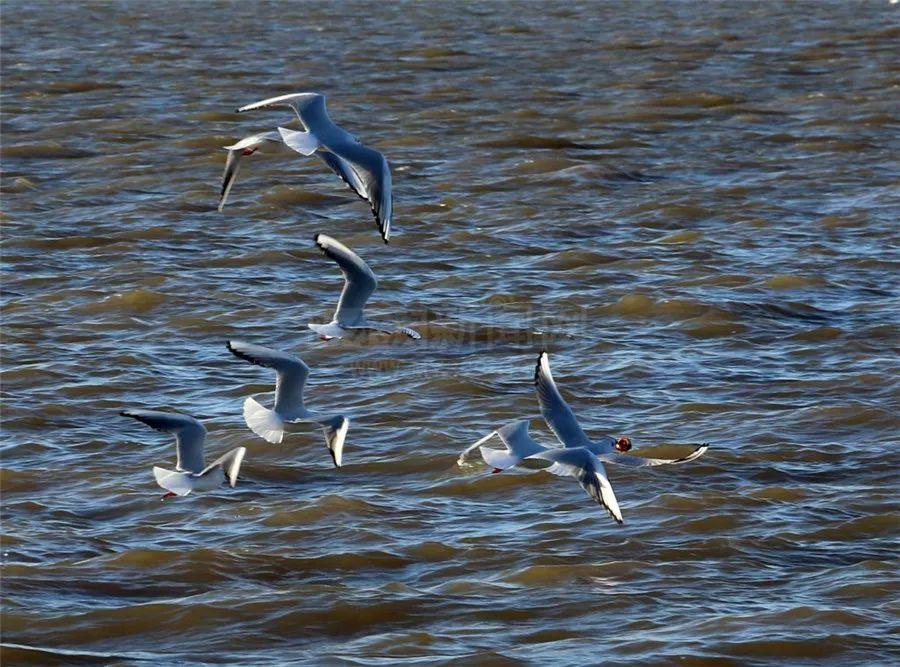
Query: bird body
{"type": "Point", "coordinates": [291, 375]}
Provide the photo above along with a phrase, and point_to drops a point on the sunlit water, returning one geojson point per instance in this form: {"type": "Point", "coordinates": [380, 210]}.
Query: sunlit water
{"type": "Point", "coordinates": [692, 206]}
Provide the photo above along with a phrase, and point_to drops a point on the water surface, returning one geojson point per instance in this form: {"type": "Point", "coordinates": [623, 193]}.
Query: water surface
{"type": "Point", "coordinates": [692, 206]}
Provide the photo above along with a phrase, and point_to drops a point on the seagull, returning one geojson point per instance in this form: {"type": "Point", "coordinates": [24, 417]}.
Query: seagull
{"type": "Point", "coordinates": [265, 142]}
{"type": "Point", "coordinates": [579, 456]}
{"type": "Point", "coordinates": [519, 446]}
{"type": "Point", "coordinates": [359, 283]}
{"type": "Point", "coordinates": [363, 169]}
{"type": "Point", "coordinates": [190, 473]}
{"type": "Point", "coordinates": [291, 374]}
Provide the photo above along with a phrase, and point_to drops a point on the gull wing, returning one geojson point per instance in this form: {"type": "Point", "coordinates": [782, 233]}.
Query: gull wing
{"type": "Point", "coordinates": [233, 161]}
{"type": "Point", "coordinates": [230, 464]}
{"type": "Point", "coordinates": [335, 430]}
{"type": "Point", "coordinates": [290, 373]}
{"type": "Point", "coordinates": [190, 435]}
{"type": "Point", "coordinates": [590, 473]}
{"type": "Point", "coordinates": [292, 100]}
{"type": "Point", "coordinates": [641, 462]}
{"type": "Point", "coordinates": [368, 174]}
{"type": "Point", "coordinates": [556, 412]}
{"type": "Point", "coordinates": [359, 281]}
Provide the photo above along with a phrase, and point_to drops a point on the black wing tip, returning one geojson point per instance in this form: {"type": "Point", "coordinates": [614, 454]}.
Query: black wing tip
{"type": "Point", "coordinates": [537, 365]}
{"type": "Point", "coordinates": [242, 355]}
{"type": "Point", "coordinates": [690, 457]}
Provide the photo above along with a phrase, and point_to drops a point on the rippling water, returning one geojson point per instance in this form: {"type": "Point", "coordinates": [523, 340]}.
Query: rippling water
{"type": "Point", "coordinates": [693, 206]}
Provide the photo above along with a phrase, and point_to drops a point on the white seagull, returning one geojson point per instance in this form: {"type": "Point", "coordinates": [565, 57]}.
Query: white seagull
{"type": "Point", "coordinates": [359, 283]}
{"type": "Point", "coordinates": [290, 378]}
{"type": "Point", "coordinates": [265, 142]}
{"type": "Point", "coordinates": [190, 473]}
{"type": "Point", "coordinates": [365, 170]}
{"type": "Point", "coordinates": [579, 457]}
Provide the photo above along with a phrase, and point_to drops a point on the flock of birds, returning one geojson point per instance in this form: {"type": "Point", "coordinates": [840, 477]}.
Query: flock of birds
{"type": "Point", "coordinates": [367, 173]}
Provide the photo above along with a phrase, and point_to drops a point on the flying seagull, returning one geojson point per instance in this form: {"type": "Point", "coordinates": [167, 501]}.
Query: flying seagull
{"type": "Point", "coordinates": [290, 378]}
{"type": "Point", "coordinates": [579, 456]}
{"type": "Point", "coordinates": [363, 169]}
{"type": "Point", "coordinates": [359, 283]}
{"type": "Point", "coordinates": [190, 473]}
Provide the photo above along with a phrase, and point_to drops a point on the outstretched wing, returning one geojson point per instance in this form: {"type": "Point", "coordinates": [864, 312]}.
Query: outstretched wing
{"type": "Point", "coordinates": [296, 101]}
{"type": "Point", "coordinates": [189, 435]}
{"type": "Point", "coordinates": [556, 412]}
{"type": "Point", "coordinates": [590, 473]}
{"type": "Point", "coordinates": [368, 174]}
{"type": "Point", "coordinates": [335, 430]}
{"type": "Point", "coordinates": [640, 462]}
{"type": "Point", "coordinates": [359, 281]}
{"type": "Point", "coordinates": [291, 373]}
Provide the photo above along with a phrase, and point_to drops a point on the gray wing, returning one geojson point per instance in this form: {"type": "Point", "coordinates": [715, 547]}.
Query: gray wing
{"type": "Point", "coordinates": [590, 473]}
{"type": "Point", "coordinates": [359, 281]}
{"type": "Point", "coordinates": [641, 462]}
{"type": "Point", "coordinates": [293, 100]}
{"type": "Point", "coordinates": [230, 464]}
{"type": "Point", "coordinates": [189, 435]}
{"type": "Point", "coordinates": [291, 373]}
{"type": "Point", "coordinates": [368, 174]}
{"type": "Point", "coordinates": [558, 415]}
